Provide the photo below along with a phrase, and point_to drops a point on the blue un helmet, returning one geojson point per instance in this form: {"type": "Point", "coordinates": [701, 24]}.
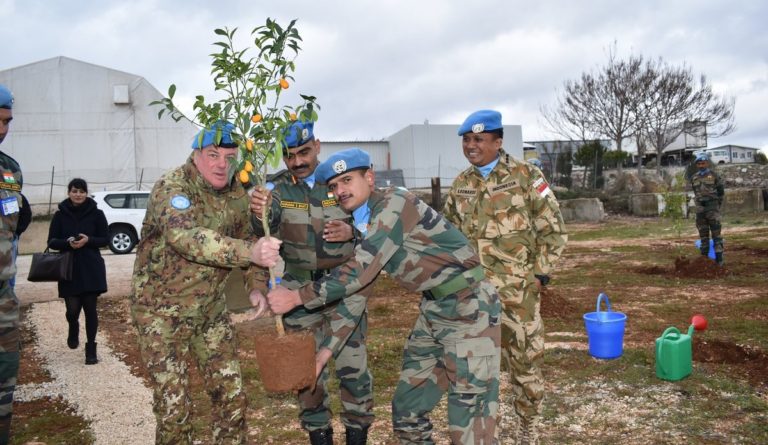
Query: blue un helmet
{"type": "Point", "coordinates": [6, 98]}
{"type": "Point", "coordinates": [535, 162]}
{"type": "Point", "coordinates": [702, 157]}
{"type": "Point", "coordinates": [341, 162]}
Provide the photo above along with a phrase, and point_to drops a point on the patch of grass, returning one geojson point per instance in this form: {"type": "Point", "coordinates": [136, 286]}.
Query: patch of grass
{"type": "Point", "coordinates": [51, 421]}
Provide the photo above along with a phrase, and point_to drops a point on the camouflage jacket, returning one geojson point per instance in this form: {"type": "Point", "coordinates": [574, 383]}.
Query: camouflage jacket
{"type": "Point", "coordinates": [297, 217]}
{"type": "Point", "coordinates": [188, 250]}
{"type": "Point", "coordinates": [10, 190]}
{"type": "Point", "coordinates": [707, 188]}
{"type": "Point", "coordinates": [511, 216]}
{"type": "Point", "coordinates": [406, 238]}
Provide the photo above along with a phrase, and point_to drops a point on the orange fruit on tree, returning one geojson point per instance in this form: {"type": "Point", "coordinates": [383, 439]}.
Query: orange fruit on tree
{"type": "Point", "coordinates": [249, 144]}
{"type": "Point", "coordinates": [248, 166]}
{"type": "Point", "coordinates": [244, 178]}
{"type": "Point", "coordinates": [256, 118]}
{"type": "Point", "coordinates": [293, 116]}
{"type": "Point", "coordinates": [283, 84]}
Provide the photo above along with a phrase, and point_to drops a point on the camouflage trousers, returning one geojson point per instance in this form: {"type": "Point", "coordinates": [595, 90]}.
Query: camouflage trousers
{"type": "Point", "coordinates": [454, 348]}
{"type": "Point", "coordinates": [351, 365]}
{"type": "Point", "coordinates": [522, 339]}
{"type": "Point", "coordinates": [708, 221]}
{"type": "Point", "coordinates": [9, 356]}
{"type": "Point", "coordinates": [167, 344]}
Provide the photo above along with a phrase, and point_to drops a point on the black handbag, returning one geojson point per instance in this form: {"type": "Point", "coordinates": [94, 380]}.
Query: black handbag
{"type": "Point", "coordinates": [51, 266]}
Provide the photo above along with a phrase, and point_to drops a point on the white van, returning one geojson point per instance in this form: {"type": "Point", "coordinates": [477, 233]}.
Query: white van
{"type": "Point", "coordinates": [718, 155]}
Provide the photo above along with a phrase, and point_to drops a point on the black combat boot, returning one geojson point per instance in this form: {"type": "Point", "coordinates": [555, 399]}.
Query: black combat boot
{"type": "Point", "coordinates": [719, 258]}
{"type": "Point", "coordinates": [90, 353]}
{"type": "Point", "coordinates": [73, 340]}
{"type": "Point", "coordinates": [321, 437]}
{"type": "Point", "coordinates": [357, 436]}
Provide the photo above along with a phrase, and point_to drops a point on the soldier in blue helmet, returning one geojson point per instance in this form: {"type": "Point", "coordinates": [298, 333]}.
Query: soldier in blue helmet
{"type": "Point", "coordinates": [317, 237]}
{"type": "Point", "coordinates": [12, 200]}
{"type": "Point", "coordinates": [708, 193]}
{"type": "Point", "coordinates": [195, 232]}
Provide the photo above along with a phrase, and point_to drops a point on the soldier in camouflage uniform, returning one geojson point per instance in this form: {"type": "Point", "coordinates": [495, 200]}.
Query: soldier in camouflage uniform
{"type": "Point", "coordinates": [508, 211]}
{"type": "Point", "coordinates": [454, 345]}
{"type": "Point", "coordinates": [708, 193]}
{"type": "Point", "coordinates": [195, 232]}
{"type": "Point", "coordinates": [10, 193]}
{"type": "Point", "coordinates": [317, 237]}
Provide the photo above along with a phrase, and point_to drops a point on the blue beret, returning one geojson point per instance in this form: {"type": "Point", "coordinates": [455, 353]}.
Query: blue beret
{"type": "Point", "coordinates": [206, 137]}
{"type": "Point", "coordinates": [299, 133]}
{"type": "Point", "coordinates": [535, 161]}
{"type": "Point", "coordinates": [6, 98]}
{"type": "Point", "coordinates": [702, 157]}
{"type": "Point", "coordinates": [481, 121]}
{"type": "Point", "coordinates": [341, 162]}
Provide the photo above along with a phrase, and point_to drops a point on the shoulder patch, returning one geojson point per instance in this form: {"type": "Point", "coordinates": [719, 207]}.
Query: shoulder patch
{"type": "Point", "coordinates": [180, 202]}
{"type": "Point", "coordinates": [542, 187]}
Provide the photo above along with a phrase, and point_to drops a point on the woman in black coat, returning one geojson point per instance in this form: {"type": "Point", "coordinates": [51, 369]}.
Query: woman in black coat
{"type": "Point", "coordinates": [79, 226]}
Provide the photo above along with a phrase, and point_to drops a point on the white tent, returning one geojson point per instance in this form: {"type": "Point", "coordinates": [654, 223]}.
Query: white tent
{"type": "Point", "coordinates": [75, 119]}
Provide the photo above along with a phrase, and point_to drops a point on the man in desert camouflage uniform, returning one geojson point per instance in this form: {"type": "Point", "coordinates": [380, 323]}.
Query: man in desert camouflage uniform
{"type": "Point", "coordinates": [508, 211]}
{"type": "Point", "coordinates": [10, 194]}
{"type": "Point", "coordinates": [195, 232]}
{"type": "Point", "coordinates": [708, 193]}
{"type": "Point", "coordinates": [317, 237]}
{"type": "Point", "coordinates": [454, 345]}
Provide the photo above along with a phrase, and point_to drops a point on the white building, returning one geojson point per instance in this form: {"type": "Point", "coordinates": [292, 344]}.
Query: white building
{"type": "Point", "coordinates": [75, 119]}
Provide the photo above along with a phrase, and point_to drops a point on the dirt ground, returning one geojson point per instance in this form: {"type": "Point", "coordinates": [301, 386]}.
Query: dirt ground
{"type": "Point", "coordinates": [392, 308]}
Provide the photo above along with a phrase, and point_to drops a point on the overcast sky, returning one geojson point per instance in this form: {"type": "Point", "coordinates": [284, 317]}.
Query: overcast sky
{"type": "Point", "coordinates": [378, 66]}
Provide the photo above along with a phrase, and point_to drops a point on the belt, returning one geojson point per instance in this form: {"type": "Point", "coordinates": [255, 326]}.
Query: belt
{"type": "Point", "coordinates": [456, 284]}
{"type": "Point", "coordinates": [307, 275]}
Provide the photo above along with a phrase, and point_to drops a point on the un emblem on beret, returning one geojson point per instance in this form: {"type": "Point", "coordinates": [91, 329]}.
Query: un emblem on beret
{"type": "Point", "coordinates": [478, 128]}
{"type": "Point", "coordinates": [340, 166]}
{"type": "Point", "coordinates": [304, 134]}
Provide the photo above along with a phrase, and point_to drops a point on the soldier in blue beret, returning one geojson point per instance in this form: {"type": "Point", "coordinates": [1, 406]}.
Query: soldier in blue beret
{"type": "Point", "coordinates": [9, 304]}
{"type": "Point", "coordinates": [196, 231]}
{"type": "Point", "coordinates": [509, 213]}
{"type": "Point", "coordinates": [317, 237]}
{"type": "Point", "coordinates": [454, 345]}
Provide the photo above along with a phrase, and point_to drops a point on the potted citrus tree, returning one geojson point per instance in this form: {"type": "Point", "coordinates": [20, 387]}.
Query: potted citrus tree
{"type": "Point", "coordinates": [250, 83]}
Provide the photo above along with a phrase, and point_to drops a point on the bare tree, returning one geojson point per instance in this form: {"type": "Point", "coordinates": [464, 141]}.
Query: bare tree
{"type": "Point", "coordinates": [678, 103]}
{"type": "Point", "coordinates": [603, 103]}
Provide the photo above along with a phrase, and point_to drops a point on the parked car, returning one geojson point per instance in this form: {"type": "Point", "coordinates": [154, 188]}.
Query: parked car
{"type": "Point", "coordinates": [125, 212]}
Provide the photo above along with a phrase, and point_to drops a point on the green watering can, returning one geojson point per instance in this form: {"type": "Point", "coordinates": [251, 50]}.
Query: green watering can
{"type": "Point", "coordinates": [674, 351]}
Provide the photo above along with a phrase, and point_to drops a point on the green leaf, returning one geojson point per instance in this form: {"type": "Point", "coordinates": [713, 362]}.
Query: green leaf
{"type": "Point", "coordinates": [171, 90]}
{"type": "Point", "coordinates": [220, 32]}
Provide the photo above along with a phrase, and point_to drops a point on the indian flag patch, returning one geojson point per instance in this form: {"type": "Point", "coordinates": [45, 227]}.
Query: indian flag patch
{"type": "Point", "coordinates": [8, 177]}
{"type": "Point", "coordinates": [542, 187]}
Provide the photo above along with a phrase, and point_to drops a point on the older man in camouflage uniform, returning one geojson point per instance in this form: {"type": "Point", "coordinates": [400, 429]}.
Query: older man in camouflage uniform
{"type": "Point", "coordinates": [508, 211]}
{"type": "Point", "coordinates": [317, 237]}
{"type": "Point", "coordinates": [195, 232]}
{"type": "Point", "coordinates": [708, 193]}
{"type": "Point", "coordinates": [454, 345]}
{"type": "Point", "coordinates": [10, 193]}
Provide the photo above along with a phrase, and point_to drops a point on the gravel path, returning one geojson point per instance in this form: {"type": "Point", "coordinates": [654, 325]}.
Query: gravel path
{"type": "Point", "coordinates": [117, 403]}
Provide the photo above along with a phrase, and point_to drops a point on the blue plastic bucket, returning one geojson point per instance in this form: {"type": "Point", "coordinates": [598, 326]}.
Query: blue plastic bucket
{"type": "Point", "coordinates": [605, 330]}
{"type": "Point", "coordinates": [711, 248]}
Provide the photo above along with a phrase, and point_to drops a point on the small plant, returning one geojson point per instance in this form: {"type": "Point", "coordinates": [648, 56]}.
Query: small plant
{"type": "Point", "coordinates": [674, 205]}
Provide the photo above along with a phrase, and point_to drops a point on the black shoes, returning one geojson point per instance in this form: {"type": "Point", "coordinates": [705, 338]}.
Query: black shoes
{"type": "Point", "coordinates": [73, 340]}
{"type": "Point", "coordinates": [90, 353]}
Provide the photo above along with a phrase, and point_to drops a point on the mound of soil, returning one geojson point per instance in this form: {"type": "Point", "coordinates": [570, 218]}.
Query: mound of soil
{"type": "Point", "coordinates": [699, 267]}
{"type": "Point", "coordinates": [749, 361]}
{"type": "Point", "coordinates": [286, 363]}
{"type": "Point", "coordinates": [555, 306]}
